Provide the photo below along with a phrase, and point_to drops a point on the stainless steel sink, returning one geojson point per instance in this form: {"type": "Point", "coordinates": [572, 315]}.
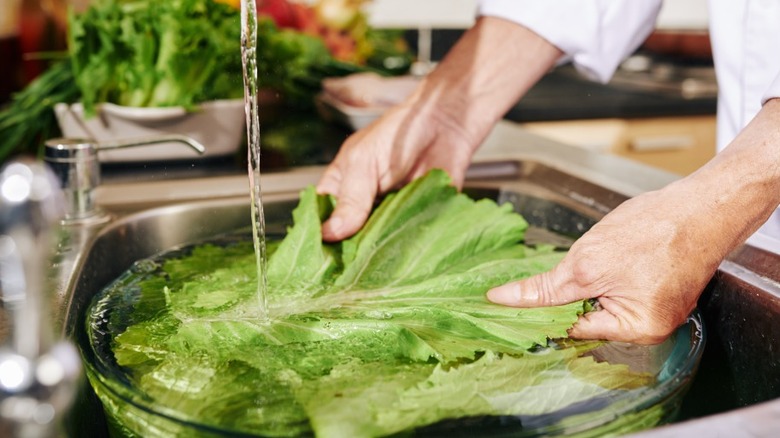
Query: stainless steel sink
{"type": "Point", "coordinates": [741, 306]}
{"type": "Point", "coordinates": [558, 206]}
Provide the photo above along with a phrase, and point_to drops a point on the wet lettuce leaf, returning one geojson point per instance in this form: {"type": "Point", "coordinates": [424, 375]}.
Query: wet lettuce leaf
{"type": "Point", "coordinates": [355, 401]}
{"type": "Point", "coordinates": [383, 333]}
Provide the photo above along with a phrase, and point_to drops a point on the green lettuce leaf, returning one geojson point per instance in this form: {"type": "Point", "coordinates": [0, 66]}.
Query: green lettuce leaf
{"type": "Point", "coordinates": [384, 333]}
{"type": "Point", "coordinates": [355, 401]}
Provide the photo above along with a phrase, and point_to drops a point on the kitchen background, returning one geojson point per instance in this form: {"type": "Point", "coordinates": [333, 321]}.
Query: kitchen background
{"type": "Point", "coordinates": [677, 14]}
{"type": "Point", "coordinates": [659, 108]}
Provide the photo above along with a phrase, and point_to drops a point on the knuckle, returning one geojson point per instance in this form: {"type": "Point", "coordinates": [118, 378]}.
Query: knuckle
{"type": "Point", "coordinates": [546, 290]}
{"type": "Point", "coordinates": [585, 273]}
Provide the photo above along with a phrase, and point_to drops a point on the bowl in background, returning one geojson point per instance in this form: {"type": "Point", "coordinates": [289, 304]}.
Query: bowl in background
{"type": "Point", "coordinates": [218, 125]}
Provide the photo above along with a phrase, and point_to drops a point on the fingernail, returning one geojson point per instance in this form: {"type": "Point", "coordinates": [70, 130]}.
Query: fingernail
{"type": "Point", "coordinates": [508, 295]}
{"type": "Point", "coordinates": [333, 226]}
{"type": "Point", "coordinates": [336, 223]}
{"type": "Point", "coordinates": [502, 295]}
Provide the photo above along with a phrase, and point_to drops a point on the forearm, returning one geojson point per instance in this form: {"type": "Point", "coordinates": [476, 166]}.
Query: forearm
{"type": "Point", "coordinates": [487, 71]}
{"type": "Point", "coordinates": [740, 187]}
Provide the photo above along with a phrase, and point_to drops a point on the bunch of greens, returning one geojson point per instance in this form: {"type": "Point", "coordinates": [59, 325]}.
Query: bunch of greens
{"type": "Point", "coordinates": [156, 53]}
{"type": "Point", "coordinates": [29, 120]}
{"type": "Point", "coordinates": [148, 53]}
{"type": "Point", "coordinates": [384, 333]}
{"type": "Point", "coordinates": [294, 64]}
{"type": "Point", "coordinates": [183, 52]}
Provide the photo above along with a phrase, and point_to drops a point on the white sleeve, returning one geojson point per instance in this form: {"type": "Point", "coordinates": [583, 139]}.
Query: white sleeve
{"type": "Point", "coordinates": [596, 35]}
{"type": "Point", "coordinates": [773, 91]}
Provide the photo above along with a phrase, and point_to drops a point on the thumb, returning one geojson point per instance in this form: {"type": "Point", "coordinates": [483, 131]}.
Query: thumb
{"type": "Point", "coordinates": [354, 200]}
{"type": "Point", "coordinates": [546, 289]}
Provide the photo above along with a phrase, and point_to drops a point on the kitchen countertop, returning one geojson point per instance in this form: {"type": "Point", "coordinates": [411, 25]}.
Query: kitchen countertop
{"type": "Point", "coordinates": [564, 94]}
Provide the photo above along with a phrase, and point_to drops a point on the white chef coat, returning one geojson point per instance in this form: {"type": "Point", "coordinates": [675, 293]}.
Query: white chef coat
{"type": "Point", "coordinates": [596, 35]}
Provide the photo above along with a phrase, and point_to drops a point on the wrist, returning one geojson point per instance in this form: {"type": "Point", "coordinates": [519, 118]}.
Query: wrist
{"type": "Point", "coordinates": [490, 68]}
{"type": "Point", "coordinates": [740, 188]}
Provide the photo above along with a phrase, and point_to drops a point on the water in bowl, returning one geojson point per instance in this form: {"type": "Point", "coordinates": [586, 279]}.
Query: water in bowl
{"type": "Point", "coordinates": [287, 389]}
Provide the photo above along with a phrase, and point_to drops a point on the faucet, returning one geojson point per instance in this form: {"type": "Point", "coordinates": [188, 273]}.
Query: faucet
{"type": "Point", "coordinates": [38, 373]}
{"type": "Point", "coordinates": [75, 163]}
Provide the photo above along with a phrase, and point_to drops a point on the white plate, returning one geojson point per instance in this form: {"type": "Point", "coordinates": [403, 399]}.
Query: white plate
{"type": "Point", "coordinates": [218, 125]}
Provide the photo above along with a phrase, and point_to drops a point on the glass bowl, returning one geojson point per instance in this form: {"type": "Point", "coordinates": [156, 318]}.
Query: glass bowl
{"type": "Point", "coordinates": [668, 369]}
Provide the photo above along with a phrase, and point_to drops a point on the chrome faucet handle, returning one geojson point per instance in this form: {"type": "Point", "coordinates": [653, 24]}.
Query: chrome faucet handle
{"type": "Point", "coordinates": [38, 373]}
{"type": "Point", "coordinates": [146, 141]}
{"type": "Point", "coordinates": [76, 165]}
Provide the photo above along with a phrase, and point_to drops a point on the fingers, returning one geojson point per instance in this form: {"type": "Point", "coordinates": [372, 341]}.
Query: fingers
{"type": "Point", "coordinates": [600, 324]}
{"type": "Point", "coordinates": [547, 289]}
{"type": "Point", "coordinates": [606, 325]}
{"type": "Point", "coordinates": [348, 217]}
{"type": "Point", "coordinates": [544, 290]}
{"type": "Point", "coordinates": [355, 193]}
{"type": "Point", "coordinates": [330, 181]}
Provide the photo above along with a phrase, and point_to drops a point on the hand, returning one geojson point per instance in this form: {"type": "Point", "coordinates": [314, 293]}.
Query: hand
{"type": "Point", "coordinates": [441, 125]}
{"type": "Point", "coordinates": [646, 262]}
{"type": "Point", "coordinates": [403, 145]}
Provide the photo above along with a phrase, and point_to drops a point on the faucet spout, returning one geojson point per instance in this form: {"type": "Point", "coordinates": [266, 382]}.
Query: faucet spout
{"type": "Point", "coordinates": [37, 372]}
{"type": "Point", "coordinates": [76, 165]}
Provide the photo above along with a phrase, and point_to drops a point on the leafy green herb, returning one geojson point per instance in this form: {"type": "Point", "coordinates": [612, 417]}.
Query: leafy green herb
{"type": "Point", "coordinates": [294, 64]}
{"type": "Point", "coordinates": [386, 332]}
{"type": "Point", "coordinates": [156, 53]}
{"type": "Point", "coordinates": [145, 53]}
{"type": "Point", "coordinates": [28, 121]}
